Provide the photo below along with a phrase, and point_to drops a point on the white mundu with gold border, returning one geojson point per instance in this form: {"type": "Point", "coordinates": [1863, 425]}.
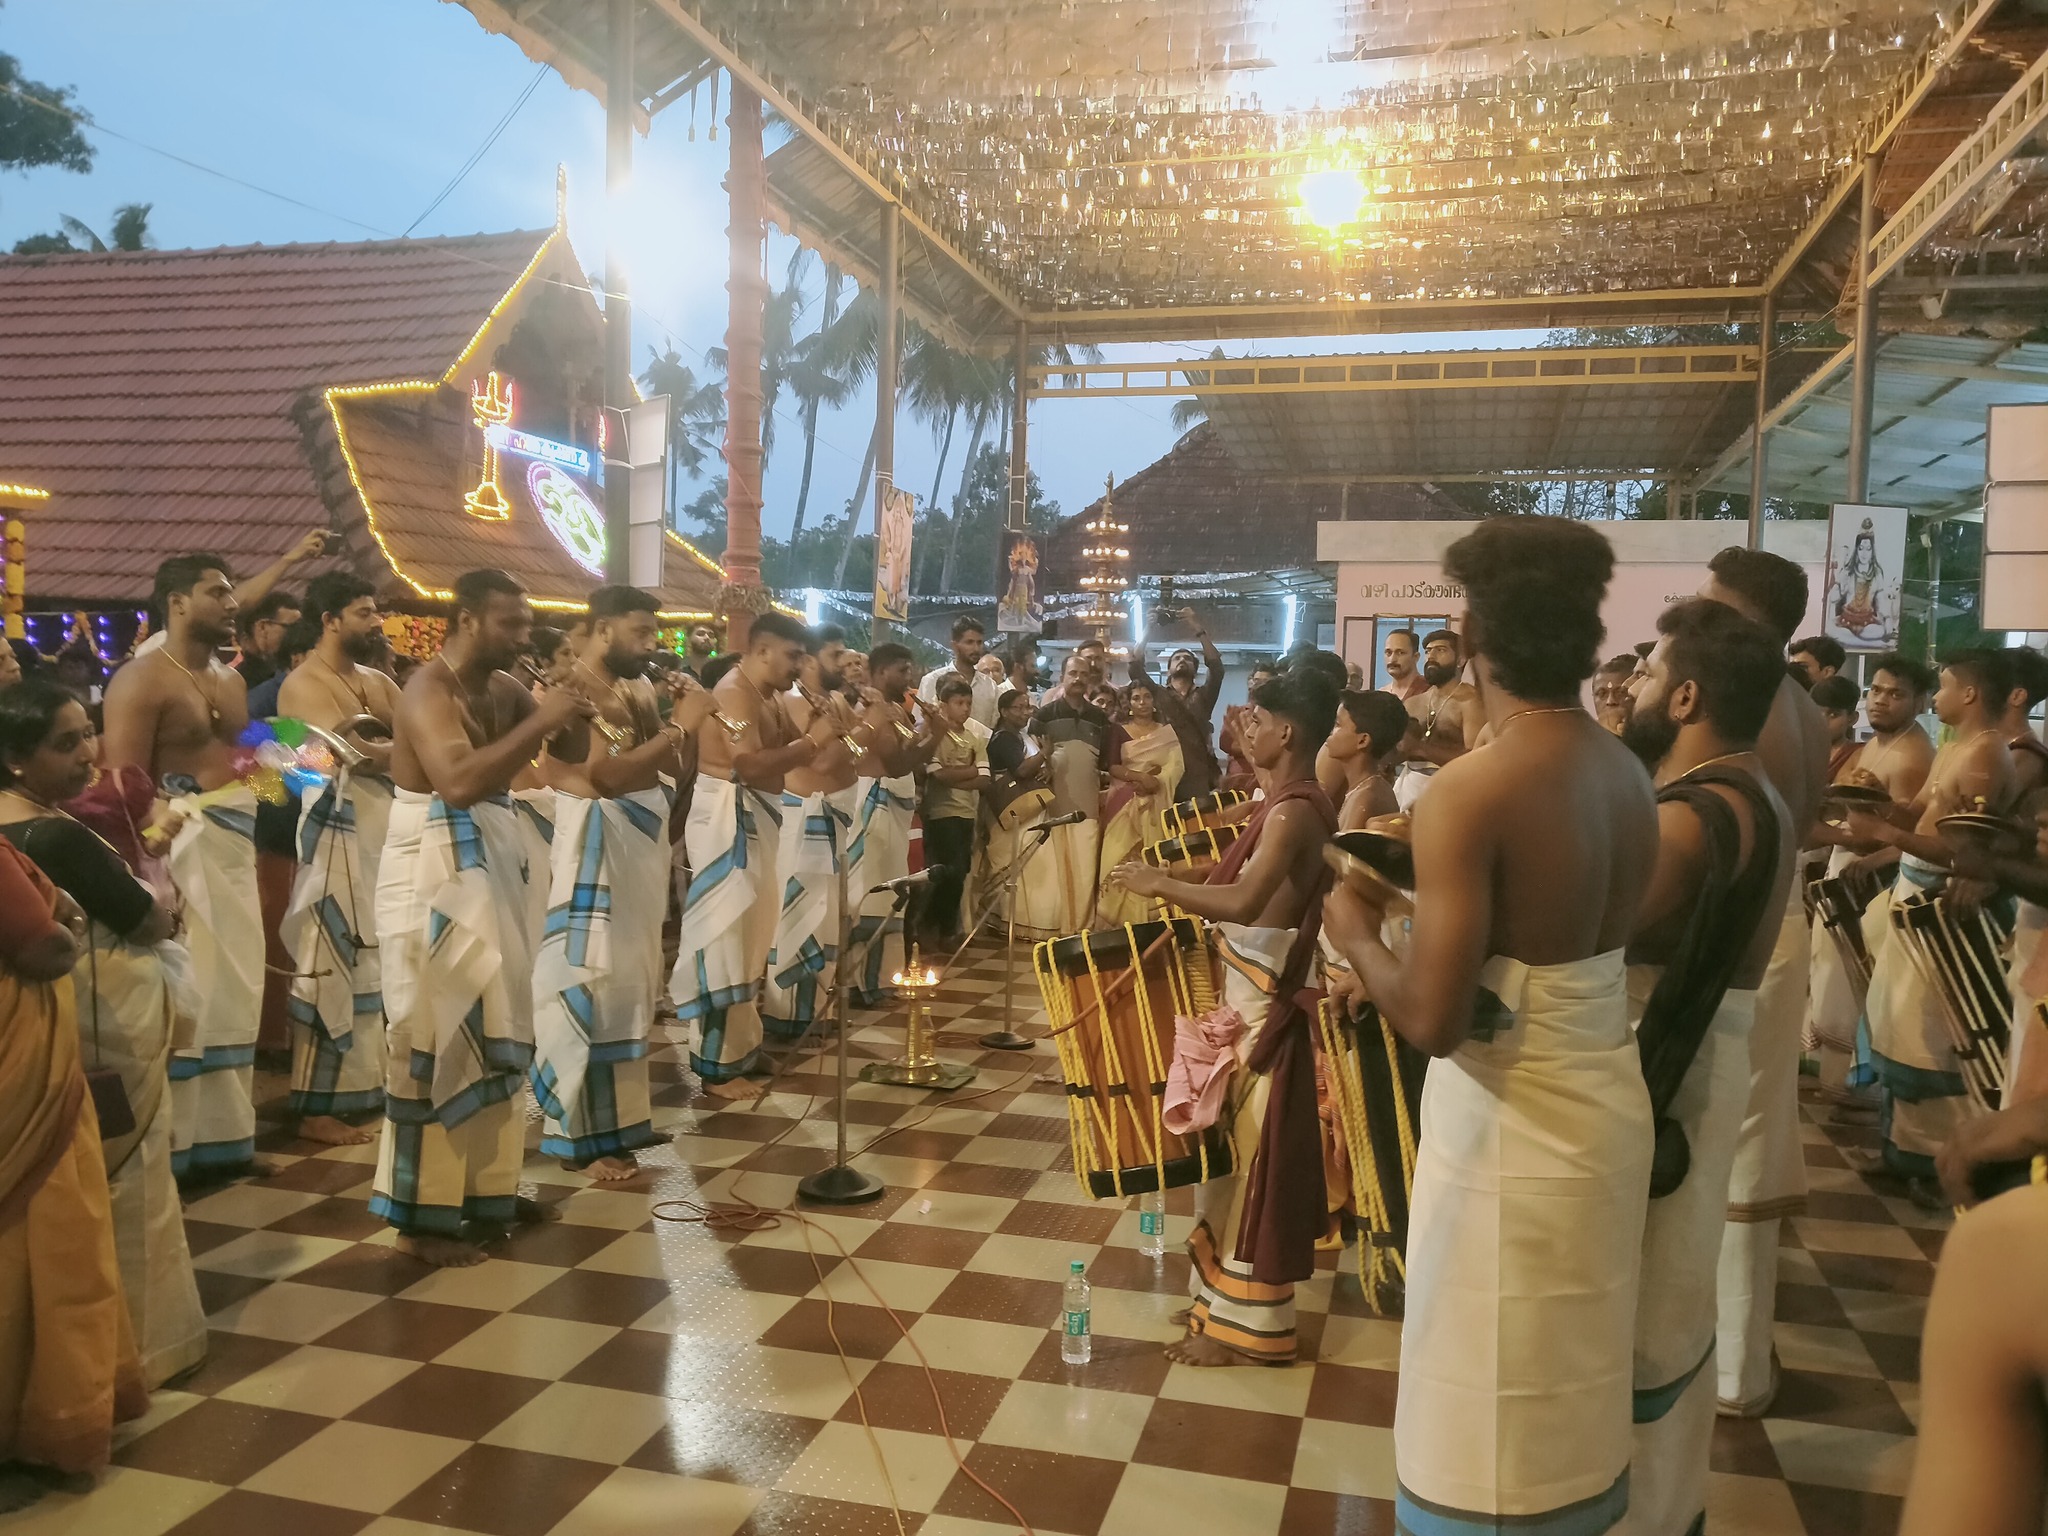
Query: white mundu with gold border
{"type": "Point", "coordinates": [1524, 1250]}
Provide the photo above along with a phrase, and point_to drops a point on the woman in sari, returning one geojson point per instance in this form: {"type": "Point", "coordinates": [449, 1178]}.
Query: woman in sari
{"type": "Point", "coordinates": [1056, 891]}
{"type": "Point", "coordinates": [1141, 789]}
{"type": "Point", "coordinates": [123, 1007]}
{"type": "Point", "coordinates": [68, 1371]}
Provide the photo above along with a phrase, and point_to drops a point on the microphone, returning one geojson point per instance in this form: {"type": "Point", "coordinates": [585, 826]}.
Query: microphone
{"type": "Point", "coordinates": [1071, 819]}
{"type": "Point", "coordinates": [906, 883]}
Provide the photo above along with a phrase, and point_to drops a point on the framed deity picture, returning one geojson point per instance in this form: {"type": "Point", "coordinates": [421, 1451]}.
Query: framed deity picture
{"type": "Point", "coordinates": [1865, 574]}
{"type": "Point", "coordinates": [892, 557]}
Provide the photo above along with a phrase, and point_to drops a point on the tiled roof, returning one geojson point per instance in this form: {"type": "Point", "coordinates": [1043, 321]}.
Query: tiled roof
{"type": "Point", "coordinates": [171, 400]}
{"type": "Point", "coordinates": [406, 451]}
{"type": "Point", "coordinates": [1195, 511]}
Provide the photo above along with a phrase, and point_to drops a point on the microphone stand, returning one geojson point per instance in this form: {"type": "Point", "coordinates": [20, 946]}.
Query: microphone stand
{"type": "Point", "coordinates": [839, 1184]}
{"type": "Point", "coordinates": [1007, 1038]}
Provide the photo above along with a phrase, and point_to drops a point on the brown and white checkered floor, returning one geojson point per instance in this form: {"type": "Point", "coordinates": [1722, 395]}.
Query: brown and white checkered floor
{"type": "Point", "coordinates": [618, 1375]}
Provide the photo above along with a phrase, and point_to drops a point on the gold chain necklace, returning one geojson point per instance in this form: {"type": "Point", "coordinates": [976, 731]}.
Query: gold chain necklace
{"type": "Point", "coordinates": [212, 709]}
{"type": "Point", "coordinates": [618, 698]}
{"type": "Point", "coordinates": [362, 699]}
{"type": "Point", "coordinates": [469, 699]}
{"type": "Point", "coordinates": [1547, 709]}
{"type": "Point", "coordinates": [1723, 758]}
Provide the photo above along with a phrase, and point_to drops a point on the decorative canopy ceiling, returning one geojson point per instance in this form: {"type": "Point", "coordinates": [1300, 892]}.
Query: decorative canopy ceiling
{"type": "Point", "coordinates": [1109, 169]}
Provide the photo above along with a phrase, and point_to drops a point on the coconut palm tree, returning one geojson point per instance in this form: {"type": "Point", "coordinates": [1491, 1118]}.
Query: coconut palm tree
{"type": "Point", "coordinates": [1192, 413]}
{"type": "Point", "coordinates": [816, 382]}
{"type": "Point", "coordinates": [696, 414]}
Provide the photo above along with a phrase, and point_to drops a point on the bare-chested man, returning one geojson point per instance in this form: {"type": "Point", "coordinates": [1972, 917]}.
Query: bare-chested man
{"type": "Point", "coordinates": [1352, 766]}
{"type": "Point", "coordinates": [336, 1009]}
{"type": "Point", "coordinates": [1525, 1228]}
{"type": "Point", "coordinates": [598, 972]}
{"type": "Point", "coordinates": [459, 910]}
{"type": "Point", "coordinates": [178, 712]}
{"type": "Point", "coordinates": [1705, 934]}
{"type": "Point", "coordinates": [1768, 1181]}
{"type": "Point", "coordinates": [735, 825]}
{"type": "Point", "coordinates": [886, 798]}
{"type": "Point", "coordinates": [818, 805]}
{"type": "Point", "coordinates": [2029, 756]}
{"type": "Point", "coordinates": [1910, 1039]}
{"type": "Point", "coordinates": [1446, 716]}
{"type": "Point", "coordinates": [1265, 900]}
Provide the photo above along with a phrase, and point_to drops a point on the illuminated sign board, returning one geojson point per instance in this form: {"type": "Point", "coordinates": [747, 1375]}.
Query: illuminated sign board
{"type": "Point", "coordinates": [507, 440]}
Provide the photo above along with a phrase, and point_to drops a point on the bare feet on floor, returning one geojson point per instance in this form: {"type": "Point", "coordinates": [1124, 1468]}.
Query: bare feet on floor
{"type": "Point", "coordinates": [737, 1089]}
{"type": "Point", "coordinates": [331, 1132]}
{"type": "Point", "coordinates": [606, 1170]}
{"type": "Point", "coordinates": [1200, 1349]}
{"type": "Point", "coordinates": [443, 1252]}
{"type": "Point", "coordinates": [261, 1167]}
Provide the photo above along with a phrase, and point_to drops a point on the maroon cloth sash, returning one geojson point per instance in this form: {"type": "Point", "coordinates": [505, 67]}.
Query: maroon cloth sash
{"type": "Point", "coordinates": [1284, 1213]}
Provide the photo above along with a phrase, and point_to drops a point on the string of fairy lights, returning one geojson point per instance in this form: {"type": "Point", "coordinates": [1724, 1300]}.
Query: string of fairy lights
{"type": "Point", "coordinates": [1108, 153]}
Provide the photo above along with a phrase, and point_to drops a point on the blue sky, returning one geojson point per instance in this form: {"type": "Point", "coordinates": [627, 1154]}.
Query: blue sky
{"type": "Point", "coordinates": [365, 110]}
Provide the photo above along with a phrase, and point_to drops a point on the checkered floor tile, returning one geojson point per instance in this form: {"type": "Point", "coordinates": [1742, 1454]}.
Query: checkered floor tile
{"type": "Point", "coordinates": [616, 1374]}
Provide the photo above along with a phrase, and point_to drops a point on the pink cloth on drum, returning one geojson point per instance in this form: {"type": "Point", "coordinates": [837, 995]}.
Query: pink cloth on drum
{"type": "Point", "coordinates": [1204, 1056]}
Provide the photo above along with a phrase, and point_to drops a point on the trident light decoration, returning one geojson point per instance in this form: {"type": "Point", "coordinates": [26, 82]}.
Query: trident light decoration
{"type": "Point", "coordinates": [491, 405]}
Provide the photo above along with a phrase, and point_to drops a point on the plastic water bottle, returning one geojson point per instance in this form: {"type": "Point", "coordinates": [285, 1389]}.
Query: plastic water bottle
{"type": "Point", "coordinates": [1077, 1344]}
{"type": "Point", "coordinates": [1152, 1224]}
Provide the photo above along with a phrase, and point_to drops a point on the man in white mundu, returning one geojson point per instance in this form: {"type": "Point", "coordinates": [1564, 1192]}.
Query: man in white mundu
{"type": "Point", "coordinates": [459, 905]}
{"type": "Point", "coordinates": [179, 714]}
{"type": "Point", "coordinates": [599, 967]}
{"type": "Point", "coordinates": [1767, 1178]}
{"type": "Point", "coordinates": [1706, 934]}
{"type": "Point", "coordinates": [732, 834]}
{"type": "Point", "coordinates": [336, 1007]}
{"type": "Point", "coordinates": [1526, 1226]}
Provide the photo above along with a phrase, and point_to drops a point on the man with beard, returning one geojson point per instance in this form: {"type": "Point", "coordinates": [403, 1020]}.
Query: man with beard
{"type": "Point", "coordinates": [1911, 1041]}
{"type": "Point", "coordinates": [885, 797]}
{"type": "Point", "coordinates": [1255, 1235]}
{"type": "Point", "coordinates": [1769, 1177]}
{"type": "Point", "coordinates": [817, 817]}
{"type": "Point", "coordinates": [598, 972]}
{"type": "Point", "coordinates": [968, 641]}
{"type": "Point", "coordinates": [734, 830]}
{"type": "Point", "coordinates": [2029, 687]}
{"type": "Point", "coordinates": [1188, 708]}
{"type": "Point", "coordinates": [458, 915]}
{"type": "Point", "coordinates": [1438, 735]}
{"type": "Point", "coordinates": [1404, 682]}
{"type": "Point", "coordinates": [1704, 937]}
{"type": "Point", "coordinates": [1526, 1223]}
{"type": "Point", "coordinates": [177, 713]}
{"type": "Point", "coordinates": [699, 647]}
{"type": "Point", "coordinates": [335, 1011]}
{"type": "Point", "coordinates": [1895, 759]}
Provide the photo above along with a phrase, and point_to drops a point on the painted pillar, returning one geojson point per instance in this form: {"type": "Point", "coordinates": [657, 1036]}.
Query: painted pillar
{"type": "Point", "coordinates": [618, 308]}
{"type": "Point", "coordinates": [746, 297]}
{"type": "Point", "coordinates": [887, 357]}
{"type": "Point", "coordinates": [1020, 435]}
{"type": "Point", "coordinates": [1759, 448]}
{"type": "Point", "coordinates": [1863, 389]}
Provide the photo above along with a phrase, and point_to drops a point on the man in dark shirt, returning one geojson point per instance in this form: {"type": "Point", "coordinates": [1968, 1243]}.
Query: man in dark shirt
{"type": "Point", "coordinates": [1188, 707]}
{"type": "Point", "coordinates": [263, 627]}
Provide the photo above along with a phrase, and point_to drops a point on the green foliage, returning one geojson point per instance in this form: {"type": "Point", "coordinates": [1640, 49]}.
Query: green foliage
{"type": "Point", "coordinates": [33, 135]}
{"type": "Point", "coordinates": [1945, 576]}
{"type": "Point", "coordinates": [982, 508]}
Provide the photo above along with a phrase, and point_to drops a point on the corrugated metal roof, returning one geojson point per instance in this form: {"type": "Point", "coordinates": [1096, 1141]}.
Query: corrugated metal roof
{"type": "Point", "coordinates": [1927, 424]}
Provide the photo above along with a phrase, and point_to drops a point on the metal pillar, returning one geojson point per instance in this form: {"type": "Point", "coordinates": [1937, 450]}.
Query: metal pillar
{"type": "Point", "coordinates": [1759, 448]}
{"type": "Point", "coordinates": [618, 308]}
{"type": "Point", "coordinates": [1020, 469]}
{"type": "Point", "coordinates": [1864, 368]}
{"type": "Point", "coordinates": [746, 296]}
{"type": "Point", "coordinates": [885, 372]}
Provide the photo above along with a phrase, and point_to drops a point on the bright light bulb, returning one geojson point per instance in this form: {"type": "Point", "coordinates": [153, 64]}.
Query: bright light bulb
{"type": "Point", "coordinates": [1332, 199]}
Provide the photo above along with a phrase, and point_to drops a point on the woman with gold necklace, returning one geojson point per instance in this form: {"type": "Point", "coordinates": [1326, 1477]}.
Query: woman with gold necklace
{"type": "Point", "coordinates": [1142, 782]}
{"type": "Point", "coordinates": [124, 1010]}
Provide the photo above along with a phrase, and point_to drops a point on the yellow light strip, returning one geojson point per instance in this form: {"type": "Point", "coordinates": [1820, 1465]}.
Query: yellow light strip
{"type": "Point", "coordinates": [17, 492]}
{"type": "Point", "coordinates": [503, 304]}
{"type": "Point", "coordinates": [435, 594]}
{"type": "Point", "coordinates": [355, 476]}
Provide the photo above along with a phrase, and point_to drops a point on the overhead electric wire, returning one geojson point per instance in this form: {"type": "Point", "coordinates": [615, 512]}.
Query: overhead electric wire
{"type": "Point", "coordinates": [481, 150]}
